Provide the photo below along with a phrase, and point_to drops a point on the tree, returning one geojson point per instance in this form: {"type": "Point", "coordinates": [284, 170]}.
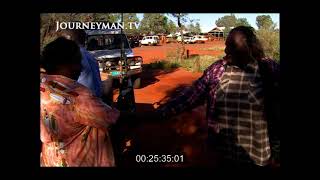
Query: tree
{"type": "Point", "coordinates": [270, 41]}
{"type": "Point", "coordinates": [227, 21]}
{"type": "Point", "coordinates": [130, 17]}
{"type": "Point", "coordinates": [194, 29]}
{"type": "Point", "coordinates": [181, 18]}
{"type": "Point", "coordinates": [242, 22]}
{"type": "Point", "coordinates": [197, 28]}
{"type": "Point", "coordinates": [153, 23]}
{"type": "Point", "coordinates": [230, 21]}
{"type": "Point", "coordinates": [171, 27]}
{"type": "Point", "coordinates": [268, 36]}
{"type": "Point", "coordinates": [107, 17]}
{"type": "Point", "coordinates": [191, 28]}
{"type": "Point", "coordinates": [264, 21]}
{"type": "Point", "coordinates": [48, 22]}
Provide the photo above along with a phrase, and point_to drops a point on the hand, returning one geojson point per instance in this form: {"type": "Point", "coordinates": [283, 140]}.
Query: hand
{"type": "Point", "coordinates": [159, 111]}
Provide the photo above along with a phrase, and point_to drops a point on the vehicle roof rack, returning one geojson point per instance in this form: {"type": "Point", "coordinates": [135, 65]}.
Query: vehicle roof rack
{"type": "Point", "coordinates": [103, 31]}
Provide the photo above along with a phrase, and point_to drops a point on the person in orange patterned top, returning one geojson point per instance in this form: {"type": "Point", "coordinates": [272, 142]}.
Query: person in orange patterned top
{"type": "Point", "coordinates": [74, 123]}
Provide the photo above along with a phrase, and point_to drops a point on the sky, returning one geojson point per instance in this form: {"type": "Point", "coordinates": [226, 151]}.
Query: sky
{"type": "Point", "coordinates": [207, 20]}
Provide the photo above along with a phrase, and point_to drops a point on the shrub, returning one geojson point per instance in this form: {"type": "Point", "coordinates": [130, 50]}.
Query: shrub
{"type": "Point", "coordinates": [270, 41]}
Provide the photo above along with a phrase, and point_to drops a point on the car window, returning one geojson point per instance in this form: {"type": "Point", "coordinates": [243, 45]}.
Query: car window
{"type": "Point", "coordinates": [107, 41]}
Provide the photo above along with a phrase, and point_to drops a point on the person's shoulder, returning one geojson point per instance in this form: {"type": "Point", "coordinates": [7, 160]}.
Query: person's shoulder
{"type": "Point", "coordinates": [216, 66]}
{"type": "Point", "coordinates": [270, 63]}
{"type": "Point", "coordinates": [59, 88]}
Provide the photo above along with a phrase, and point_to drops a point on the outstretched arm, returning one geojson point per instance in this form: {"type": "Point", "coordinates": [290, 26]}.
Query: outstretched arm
{"type": "Point", "coordinates": [190, 97]}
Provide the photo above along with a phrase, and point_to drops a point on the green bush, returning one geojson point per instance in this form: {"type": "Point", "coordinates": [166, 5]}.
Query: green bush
{"type": "Point", "coordinates": [216, 48]}
{"type": "Point", "coordinates": [270, 41]}
{"type": "Point", "coordinates": [163, 65]}
{"type": "Point", "coordinates": [196, 63]}
{"type": "Point", "coordinates": [199, 63]}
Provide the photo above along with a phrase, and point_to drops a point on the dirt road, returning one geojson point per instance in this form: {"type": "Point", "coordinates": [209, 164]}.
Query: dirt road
{"type": "Point", "coordinates": [154, 53]}
{"type": "Point", "coordinates": [184, 134]}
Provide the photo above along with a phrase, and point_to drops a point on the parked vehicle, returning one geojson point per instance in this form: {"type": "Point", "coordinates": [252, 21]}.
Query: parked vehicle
{"type": "Point", "coordinates": [134, 41]}
{"type": "Point", "coordinates": [150, 40]}
{"type": "Point", "coordinates": [200, 39]}
{"type": "Point", "coordinates": [105, 46]}
{"type": "Point", "coordinates": [186, 39]}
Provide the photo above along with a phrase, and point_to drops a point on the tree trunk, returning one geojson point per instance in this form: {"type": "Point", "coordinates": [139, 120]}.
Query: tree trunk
{"type": "Point", "coordinates": [182, 41]}
{"type": "Point", "coordinates": [182, 46]}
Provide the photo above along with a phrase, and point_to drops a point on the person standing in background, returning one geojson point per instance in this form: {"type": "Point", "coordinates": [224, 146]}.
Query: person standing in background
{"type": "Point", "coordinates": [90, 74]}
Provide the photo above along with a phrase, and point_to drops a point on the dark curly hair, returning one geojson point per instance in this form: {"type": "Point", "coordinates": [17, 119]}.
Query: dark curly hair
{"type": "Point", "coordinates": [252, 42]}
{"type": "Point", "coordinates": [59, 52]}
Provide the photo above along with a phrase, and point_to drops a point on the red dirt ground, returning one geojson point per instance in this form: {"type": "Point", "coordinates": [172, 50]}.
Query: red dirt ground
{"type": "Point", "coordinates": [153, 53]}
{"type": "Point", "coordinates": [184, 133]}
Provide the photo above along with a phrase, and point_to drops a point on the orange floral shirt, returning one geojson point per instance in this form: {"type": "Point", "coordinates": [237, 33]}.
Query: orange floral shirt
{"type": "Point", "coordinates": [74, 125]}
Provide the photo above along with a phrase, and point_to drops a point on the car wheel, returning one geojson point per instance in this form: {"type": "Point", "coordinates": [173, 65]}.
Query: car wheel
{"type": "Point", "coordinates": [149, 43]}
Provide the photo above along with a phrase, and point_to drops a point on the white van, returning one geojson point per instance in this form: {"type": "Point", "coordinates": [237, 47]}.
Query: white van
{"type": "Point", "coordinates": [200, 39]}
{"type": "Point", "coordinates": [150, 40]}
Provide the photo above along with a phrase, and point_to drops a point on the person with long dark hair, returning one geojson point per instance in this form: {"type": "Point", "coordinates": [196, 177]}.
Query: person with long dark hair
{"type": "Point", "coordinates": [239, 91]}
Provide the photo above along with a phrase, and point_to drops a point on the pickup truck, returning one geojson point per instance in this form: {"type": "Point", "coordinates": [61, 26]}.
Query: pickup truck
{"type": "Point", "coordinates": [200, 39]}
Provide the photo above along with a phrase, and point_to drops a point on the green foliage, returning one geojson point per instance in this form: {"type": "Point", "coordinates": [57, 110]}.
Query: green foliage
{"type": "Point", "coordinates": [153, 23]}
{"type": "Point", "coordinates": [48, 22]}
{"type": "Point", "coordinates": [214, 48]}
{"type": "Point", "coordinates": [226, 31]}
{"type": "Point", "coordinates": [270, 41]}
{"type": "Point", "coordinates": [197, 28]}
{"type": "Point", "coordinates": [163, 65]}
{"type": "Point", "coordinates": [268, 36]}
{"type": "Point", "coordinates": [130, 17]}
{"type": "Point", "coordinates": [195, 63]}
{"type": "Point", "coordinates": [181, 18]}
{"type": "Point", "coordinates": [264, 22]}
{"type": "Point", "coordinates": [191, 27]}
{"type": "Point", "coordinates": [171, 27]}
{"type": "Point", "coordinates": [194, 29]}
{"type": "Point", "coordinates": [242, 22]}
{"type": "Point", "coordinates": [227, 21]}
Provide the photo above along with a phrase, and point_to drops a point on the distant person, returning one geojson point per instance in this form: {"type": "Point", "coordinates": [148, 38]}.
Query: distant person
{"type": "Point", "coordinates": [242, 95]}
{"type": "Point", "coordinates": [74, 123]}
{"type": "Point", "coordinates": [90, 74]}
